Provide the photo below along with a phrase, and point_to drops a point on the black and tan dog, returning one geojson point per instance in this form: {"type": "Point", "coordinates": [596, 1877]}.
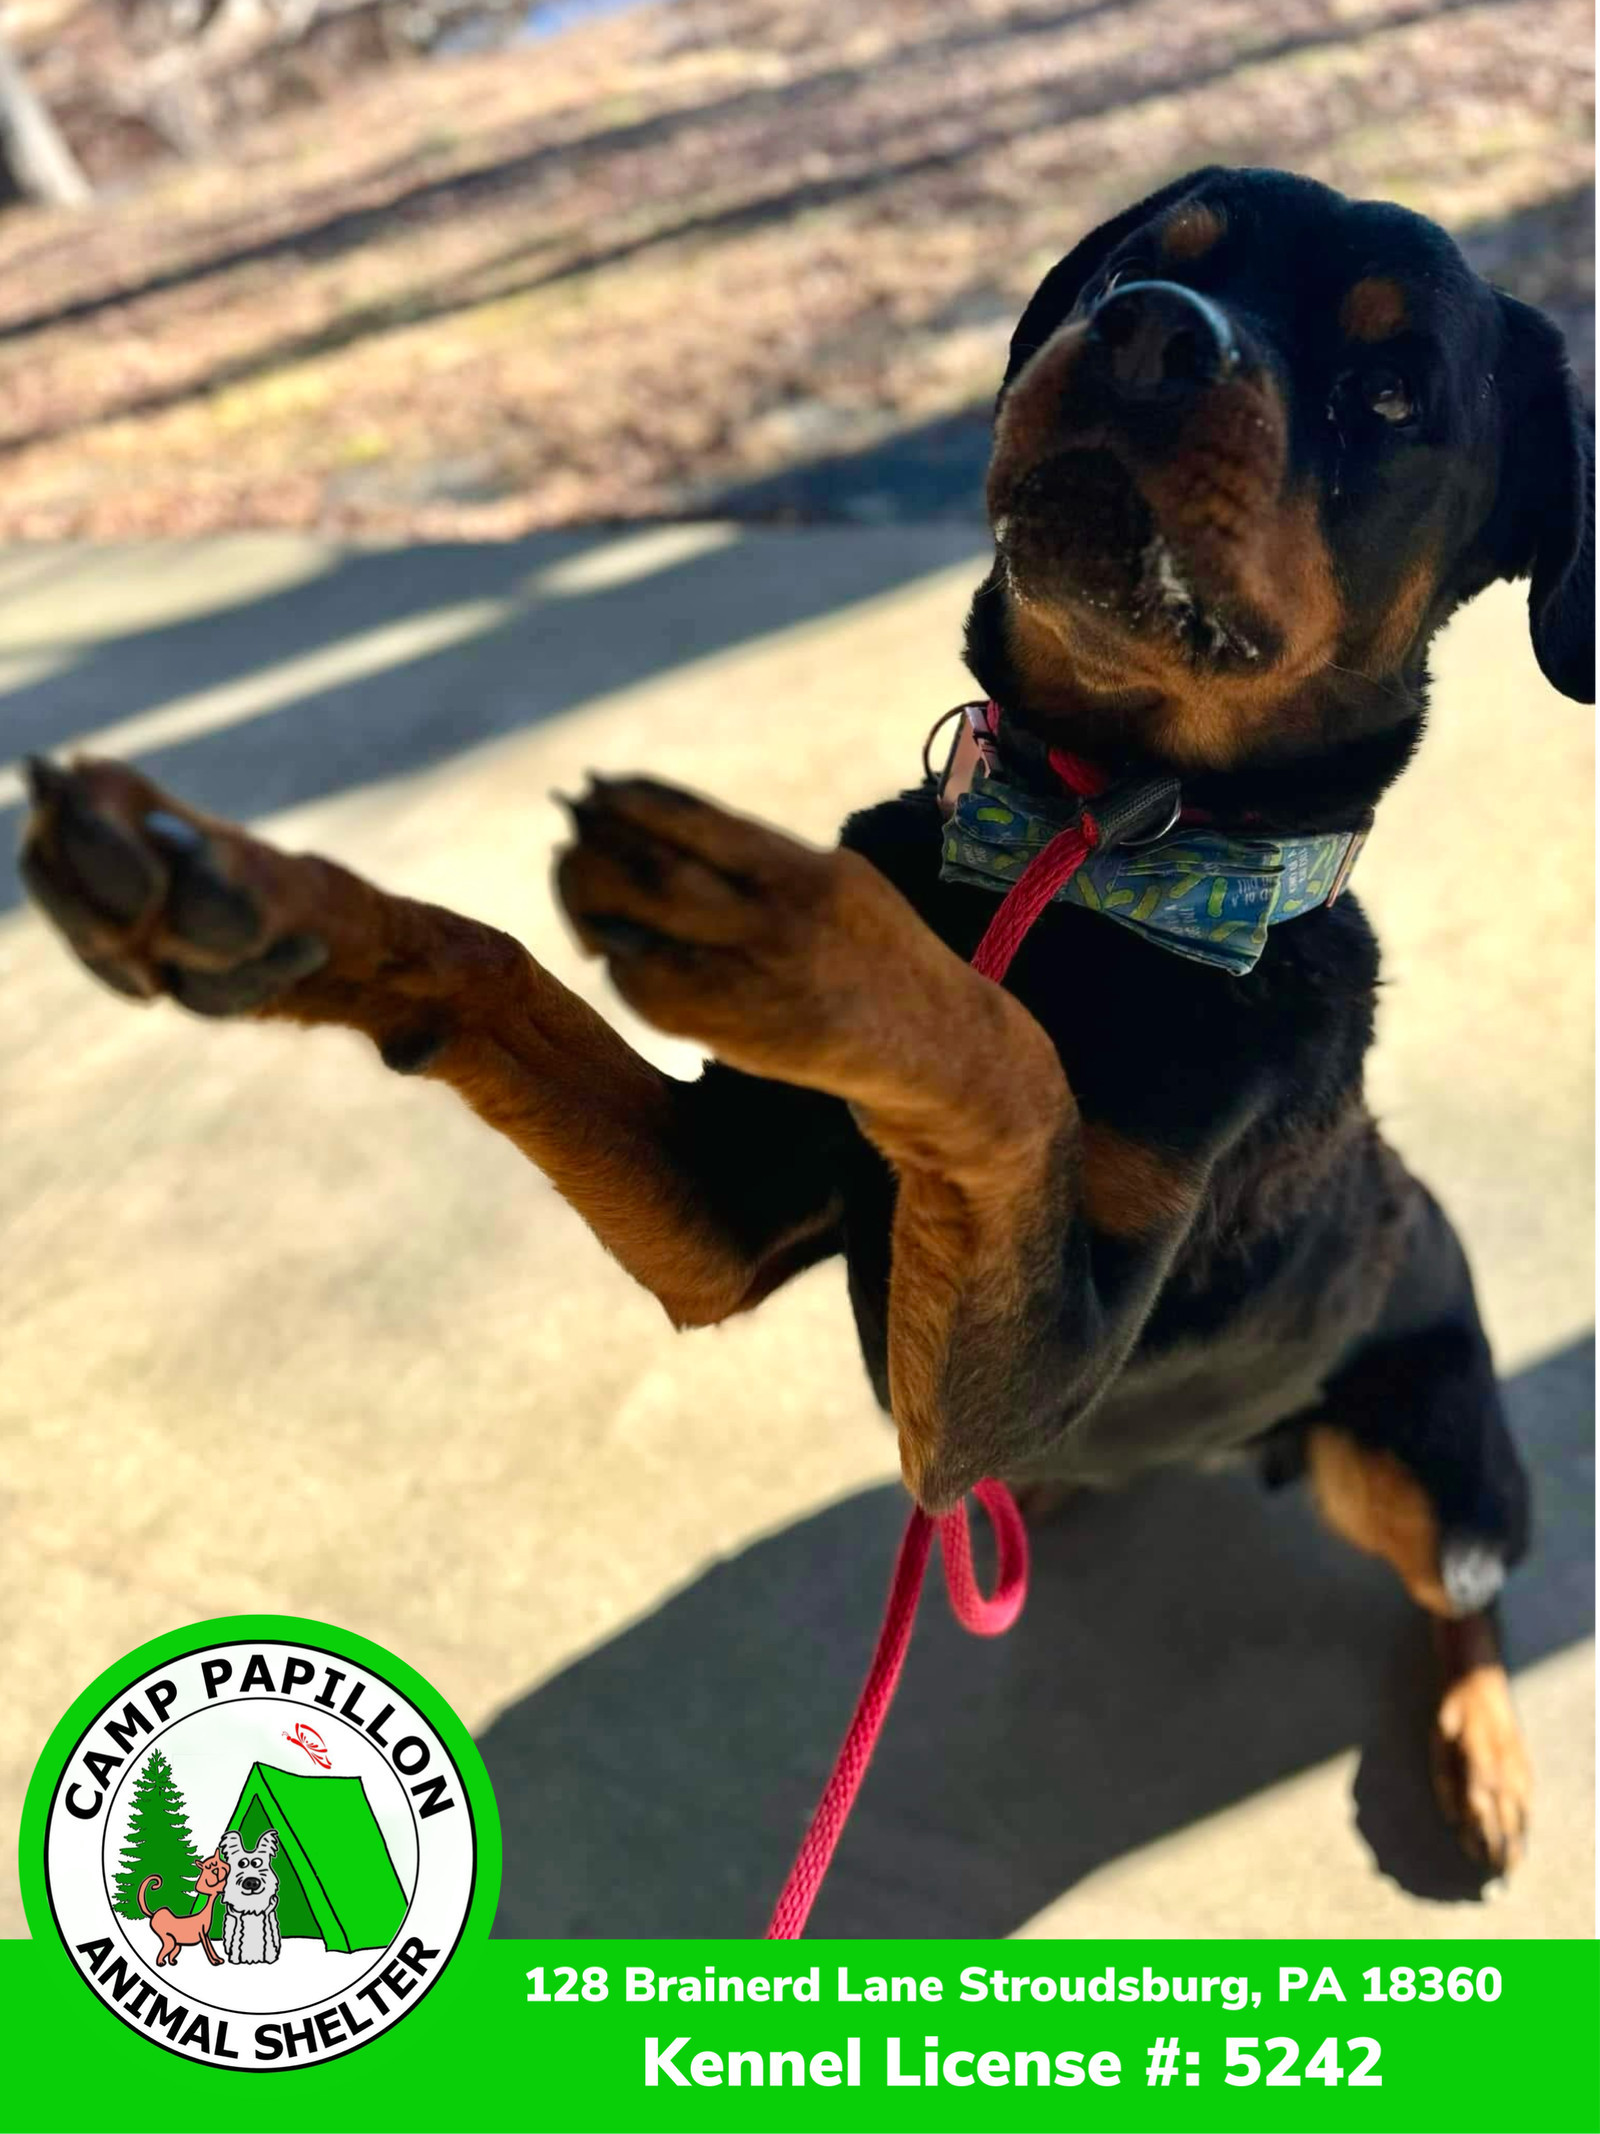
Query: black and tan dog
{"type": "Point", "coordinates": [1255, 443]}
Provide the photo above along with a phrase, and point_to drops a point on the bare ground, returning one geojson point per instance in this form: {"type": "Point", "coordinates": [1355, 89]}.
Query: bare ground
{"type": "Point", "coordinates": [612, 274]}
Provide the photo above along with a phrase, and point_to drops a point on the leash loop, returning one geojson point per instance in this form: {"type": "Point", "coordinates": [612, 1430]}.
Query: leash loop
{"type": "Point", "coordinates": [985, 1615]}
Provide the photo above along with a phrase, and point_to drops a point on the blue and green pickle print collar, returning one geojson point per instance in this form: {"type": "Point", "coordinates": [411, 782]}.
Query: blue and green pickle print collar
{"type": "Point", "coordinates": [1200, 893]}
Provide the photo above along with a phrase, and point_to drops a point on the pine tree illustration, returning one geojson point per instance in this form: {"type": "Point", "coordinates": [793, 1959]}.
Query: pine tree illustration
{"type": "Point", "coordinates": [158, 1843]}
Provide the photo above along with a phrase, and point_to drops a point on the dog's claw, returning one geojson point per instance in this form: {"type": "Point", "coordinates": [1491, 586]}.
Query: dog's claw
{"type": "Point", "coordinates": [46, 781]}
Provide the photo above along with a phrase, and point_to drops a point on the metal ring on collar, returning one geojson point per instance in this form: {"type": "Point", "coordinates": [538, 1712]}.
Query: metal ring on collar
{"type": "Point", "coordinates": [1154, 837]}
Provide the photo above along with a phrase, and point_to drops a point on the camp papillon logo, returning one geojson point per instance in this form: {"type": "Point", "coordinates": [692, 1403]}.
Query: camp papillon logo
{"type": "Point", "coordinates": [262, 1840]}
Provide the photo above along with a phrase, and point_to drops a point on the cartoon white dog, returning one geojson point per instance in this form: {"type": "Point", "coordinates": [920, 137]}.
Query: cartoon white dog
{"type": "Point", "coordinates": [250, 1935]}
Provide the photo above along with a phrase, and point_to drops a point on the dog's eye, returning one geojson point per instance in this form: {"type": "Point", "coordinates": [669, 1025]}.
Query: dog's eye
{"type": "Point", "coordinates": [1127, 272]}
{"type": "Point", "coordinates": [1388, 395]}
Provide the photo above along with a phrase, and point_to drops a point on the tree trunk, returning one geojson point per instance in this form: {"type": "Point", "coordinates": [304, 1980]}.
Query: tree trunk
{"type": "Point", "coordinates": [35, 162]}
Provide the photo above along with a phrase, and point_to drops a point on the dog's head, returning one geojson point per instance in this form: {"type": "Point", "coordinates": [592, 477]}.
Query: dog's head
{"type": "Point", "coordinates": [1254, 444]}
{"type": "Point", "coordinates": [252, 1878]}
{"type": "Point", "coordinates": [213, 1876]}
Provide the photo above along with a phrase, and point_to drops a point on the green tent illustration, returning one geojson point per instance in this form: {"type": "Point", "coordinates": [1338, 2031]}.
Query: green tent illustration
{"type": "Point", "coordinates": [336, 1881]}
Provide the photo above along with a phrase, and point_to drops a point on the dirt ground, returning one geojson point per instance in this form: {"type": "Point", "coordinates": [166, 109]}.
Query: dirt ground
{"type": "Point", "coordinates": [615, 273]}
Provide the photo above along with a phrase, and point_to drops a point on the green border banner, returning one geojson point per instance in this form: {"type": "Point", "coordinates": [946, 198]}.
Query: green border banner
{"type": "Point", "coordinates": [479, 2054]}
{"type": "Point", "coordinates": [610, 2036]}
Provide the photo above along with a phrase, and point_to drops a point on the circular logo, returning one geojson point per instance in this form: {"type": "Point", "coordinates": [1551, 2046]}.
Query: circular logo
{"type": "Point", "coordinates": [262, 1840]}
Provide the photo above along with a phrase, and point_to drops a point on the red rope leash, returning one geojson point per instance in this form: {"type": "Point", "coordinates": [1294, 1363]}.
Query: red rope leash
{"type": "Point", "coordinates": [1030, 893]}
{"type": "Point", "coordinates": [986, 1616]}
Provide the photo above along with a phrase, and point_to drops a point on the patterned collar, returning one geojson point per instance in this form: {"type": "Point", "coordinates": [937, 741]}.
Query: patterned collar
{"type": "Point", "coordinates": [1204, 894]}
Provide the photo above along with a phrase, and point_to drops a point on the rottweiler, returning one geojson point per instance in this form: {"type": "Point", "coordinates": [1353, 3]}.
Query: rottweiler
{"type": "Point", "coordinates": [1255, 442]}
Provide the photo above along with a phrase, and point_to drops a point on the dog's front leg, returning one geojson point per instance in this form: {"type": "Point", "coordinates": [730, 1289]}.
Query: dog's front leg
{"type": "Point", "coordinates": [709, 1195]}
{"type": "Point", "coordinates": [1027, 1243]}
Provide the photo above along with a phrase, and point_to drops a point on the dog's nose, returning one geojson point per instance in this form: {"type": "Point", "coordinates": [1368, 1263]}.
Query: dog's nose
{"type": "Point", "coordinates": [249, 1884]}
{"type": "Point", "coordinates": [1157, 340]}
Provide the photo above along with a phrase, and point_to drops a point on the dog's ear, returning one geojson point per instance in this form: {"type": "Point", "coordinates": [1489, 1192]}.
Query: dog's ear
{"type": "Point", "coordinates": [230, 1849]}
{"type": "Point", "coordinates": [267, 1843]}
{"type": "Point", "coordinates": [1067, 279]}
{"type": "Point", "coordinates": [1542, 523]}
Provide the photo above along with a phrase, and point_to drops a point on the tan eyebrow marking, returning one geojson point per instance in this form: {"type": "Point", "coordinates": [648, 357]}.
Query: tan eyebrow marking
{"type": "Point", "coordinates": [1191, 230]}
{"type": "Point", "coordinates": [1373, 309]}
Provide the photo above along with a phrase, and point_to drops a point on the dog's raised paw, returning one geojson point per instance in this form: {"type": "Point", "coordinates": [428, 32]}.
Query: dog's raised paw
{"type": "Point", "coordinates": [705, 918]}
{"type": "Point", "coordinates": [766, 952]}
{"type": "Point", "coordinates": [652, 867]}
{"type": "Point", "coordinates": [153, 900]}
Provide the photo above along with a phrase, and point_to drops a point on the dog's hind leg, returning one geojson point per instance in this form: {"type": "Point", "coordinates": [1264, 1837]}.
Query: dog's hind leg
{"type": "Point", "coordinates": [709, 1193]}
{"type": "Point", "coordinates": [1410, 1460]}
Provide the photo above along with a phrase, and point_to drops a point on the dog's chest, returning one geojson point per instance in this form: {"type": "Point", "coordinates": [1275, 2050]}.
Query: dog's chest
{"type": "Point", "coordinates": [250, 1938]}
{"type": "Point", "coordinates": [1179, 1057]}
{"type": "Point", "coordinates": [1211, 1394]}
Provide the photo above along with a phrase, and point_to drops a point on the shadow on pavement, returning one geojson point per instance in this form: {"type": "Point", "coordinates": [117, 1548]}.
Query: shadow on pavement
{"type": "Point", "coordinates": [1185, 1644]}
{"type": "Point", "coordinates": [915, 496]}
{"type": "Point", "coordinates": [547, 656]}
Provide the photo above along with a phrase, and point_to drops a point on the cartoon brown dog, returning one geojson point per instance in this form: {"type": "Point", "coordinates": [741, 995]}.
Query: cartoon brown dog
{"type": "Point", "coordinates": [177, 1931]}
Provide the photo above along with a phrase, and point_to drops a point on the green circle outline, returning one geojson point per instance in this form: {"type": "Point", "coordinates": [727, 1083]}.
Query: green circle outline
{"type": "Point", "coordinates": [50, 1770]}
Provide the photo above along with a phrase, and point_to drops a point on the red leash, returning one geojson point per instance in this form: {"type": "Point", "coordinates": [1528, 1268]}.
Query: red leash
{"type": "Point", "coordinates": [985, 1616]}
